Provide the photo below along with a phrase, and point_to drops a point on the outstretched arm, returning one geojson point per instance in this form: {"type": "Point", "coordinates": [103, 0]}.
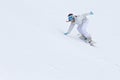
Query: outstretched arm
{"type": "Point", "coordinates": [70, 28]}
{"type": "Point", "coordinates": [86, 14]}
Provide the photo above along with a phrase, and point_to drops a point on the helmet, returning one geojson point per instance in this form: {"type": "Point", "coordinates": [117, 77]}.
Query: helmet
{"type": "Point", "coordinates": [70, 14]}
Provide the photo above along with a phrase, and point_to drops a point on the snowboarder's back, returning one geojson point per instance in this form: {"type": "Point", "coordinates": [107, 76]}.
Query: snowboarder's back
{"type": "Point", "coordinates": [79, 19]}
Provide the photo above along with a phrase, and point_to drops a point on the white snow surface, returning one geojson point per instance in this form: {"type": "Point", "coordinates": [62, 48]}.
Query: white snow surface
{"type": "Point", "coordinates": [33, 45]}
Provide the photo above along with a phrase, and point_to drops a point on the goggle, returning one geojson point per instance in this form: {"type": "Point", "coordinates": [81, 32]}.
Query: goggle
{"type": "Point", "coordinates": [70, 18]}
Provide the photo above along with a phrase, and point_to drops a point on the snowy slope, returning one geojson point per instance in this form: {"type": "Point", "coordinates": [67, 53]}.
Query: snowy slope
{"type": "Point", "coordinates": [33, 47]}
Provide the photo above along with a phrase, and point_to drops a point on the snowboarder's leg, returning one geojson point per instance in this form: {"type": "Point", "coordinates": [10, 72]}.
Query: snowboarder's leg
{"type": "Point", "coordinates": [79, 28]}
{"type": "Point", "coordinates": [84, 31]}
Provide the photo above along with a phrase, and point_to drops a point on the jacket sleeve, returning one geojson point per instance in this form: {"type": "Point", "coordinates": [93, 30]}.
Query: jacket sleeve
{"type": "Point", "coordinates": [86, 14]}
{"type": "Point", "coordinates": [70, 28]}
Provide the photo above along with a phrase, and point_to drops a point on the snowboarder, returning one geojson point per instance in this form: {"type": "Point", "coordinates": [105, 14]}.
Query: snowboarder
{"type": "Point", "coordinates": [81, 21]}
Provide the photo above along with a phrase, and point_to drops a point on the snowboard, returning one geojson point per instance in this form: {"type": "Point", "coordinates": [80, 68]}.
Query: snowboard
{"type": "Point", "coordinates": [91, 42]}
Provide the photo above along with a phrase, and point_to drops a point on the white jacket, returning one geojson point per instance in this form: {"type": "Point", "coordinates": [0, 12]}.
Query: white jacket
{"type": "Point", "coordinates": [79, 19]}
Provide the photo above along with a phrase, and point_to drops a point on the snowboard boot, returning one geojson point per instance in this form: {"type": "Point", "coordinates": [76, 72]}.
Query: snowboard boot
{"type": "Point", "coordinates": [83, 38]}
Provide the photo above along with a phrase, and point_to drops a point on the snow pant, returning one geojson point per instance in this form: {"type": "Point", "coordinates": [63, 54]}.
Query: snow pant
{"type": "Point", "coordinates": [82, 29]}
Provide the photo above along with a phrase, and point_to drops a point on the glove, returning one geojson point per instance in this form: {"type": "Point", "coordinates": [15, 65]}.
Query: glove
{"type": "Point", "coordinates": [91, 13]}
{"type": "Point", "coordinates": [65, 33]}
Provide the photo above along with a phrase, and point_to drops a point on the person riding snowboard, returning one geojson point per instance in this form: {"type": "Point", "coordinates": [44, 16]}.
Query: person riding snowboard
{"type": "Point", "coordinates": [81, 21]}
